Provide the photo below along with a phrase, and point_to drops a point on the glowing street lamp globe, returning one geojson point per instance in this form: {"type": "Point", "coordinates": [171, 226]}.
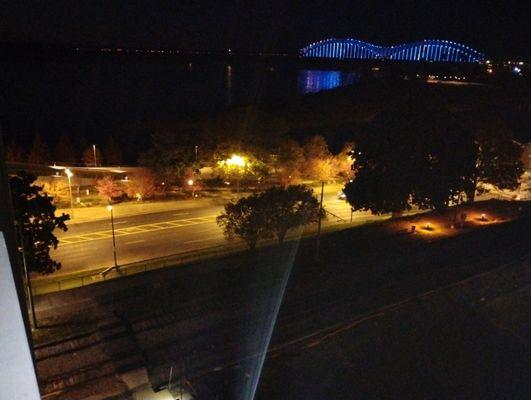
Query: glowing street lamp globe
{"type": "Point", "coordinates": [236, 160]}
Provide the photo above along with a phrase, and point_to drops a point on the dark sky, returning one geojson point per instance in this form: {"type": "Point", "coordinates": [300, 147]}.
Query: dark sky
{"type": "Point", "coordinates": [499, 28]}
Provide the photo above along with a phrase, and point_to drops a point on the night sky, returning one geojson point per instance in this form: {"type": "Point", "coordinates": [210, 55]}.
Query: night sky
{"type": "Point", "coordinates": [499, 28]}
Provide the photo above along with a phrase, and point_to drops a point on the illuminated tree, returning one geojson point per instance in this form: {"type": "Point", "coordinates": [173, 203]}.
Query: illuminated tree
{"type": "Point", "coordinates": [238, 167]}
{"type": "Point", "coordinates": [57, 188]}
{"type": "Point", "coordinates": [342, 162]}
{"type": "Point", "coordinates": [36, 222]}
{"type": "Point", "coordinates": [319, 164]}
{"type": "Point", "coordinates": [289, 162]}
{"type": "Point", "coordinates": [108, 188]}
{"type": "Point", "coordinates": [141, 185]}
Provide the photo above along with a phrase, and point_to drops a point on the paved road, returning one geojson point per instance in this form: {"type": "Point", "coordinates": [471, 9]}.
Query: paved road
{"type": "Point", "coordinates": [89, 245]}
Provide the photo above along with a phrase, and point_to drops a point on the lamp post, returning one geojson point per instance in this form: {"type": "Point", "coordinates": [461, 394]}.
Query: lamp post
{"type": "Point", "coordinates": [94, 151]}
{"type": "Point", "coordinates": [239, 163]}
{"type": "Point", "coordinates": [318, 243]}
{"type": "Point", "coordinates": [69, 175]}
{"type": "Point", "coordinates": [109, 207]}
{"type": "Point", "coordinates": [191, 184]}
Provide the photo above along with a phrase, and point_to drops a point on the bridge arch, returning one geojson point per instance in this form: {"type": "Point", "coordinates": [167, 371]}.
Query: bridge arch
{"type": "Point", "coordinates": [433, 50]}
{"type": "Point", "coordinates": [342, 49]}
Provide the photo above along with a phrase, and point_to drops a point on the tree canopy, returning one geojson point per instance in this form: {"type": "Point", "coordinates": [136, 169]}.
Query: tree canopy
{"type": "Point", "coordinates": [108, 188]}
{"type": "Point", "coordinates": [289, 208]}
{"type": "Point", "coordinates": [36, 221]}
{"type": "Point", "coordinates": [427, 157]}
{"type": "Point", "coordinates": [245, 219]}
{"type": "Point", "coordinates": [271, 213]}
{"type": "Point", "coordinates": [141, 185]}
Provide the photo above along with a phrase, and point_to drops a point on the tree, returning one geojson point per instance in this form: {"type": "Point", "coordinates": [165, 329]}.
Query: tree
{"type": "Point", "coordinates": [40, 153]}
{"type": "Point", "coordinates": [289, 208]}
{"type": "Point", "coordinates": [246, 219]}
{"type": "Point", "coordinates": [65, 150]}
{"type": "Point", "coordinates": [270, 214]}
{"type": "Point", "coordinates": [289, 162]}
{"type": "Point", "coordinates": [141, 185]}
{"type": "Point", "coordinates": [35, 217]}
{"type": "Point", "coordinates": [112, 151]}
{"type": "Point", "coordinates": [423, 156]}
{"type": "Point", "coordinates": [319, 163]}
{"type": "Point", "coordinates": [108, 188]}
{"type": "Point", "coordinates": [248, 129]}
{"type": "Point", "coordinates": [342, 161]}
{"type": "Point", "coordinates": [238, 167]}
{"type": "Point", "coordinates": [88, 157]}
{"type": "Point", "coordinates": [171, 155]}
{"type": "Point", "coordinates": [14, 153]}
{"type": "Point", "coordinates": [499, 157]}
{"type": "Point", "coordinates": [57, 188]}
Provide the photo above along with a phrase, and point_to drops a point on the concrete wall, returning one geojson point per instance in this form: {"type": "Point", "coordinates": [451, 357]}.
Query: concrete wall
{"type": "Point", "coordinates": [17, 377]}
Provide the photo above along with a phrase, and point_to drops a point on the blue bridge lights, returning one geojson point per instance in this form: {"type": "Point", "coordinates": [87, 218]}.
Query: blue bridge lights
{"type": "Point", "coordinates": [424, 50]}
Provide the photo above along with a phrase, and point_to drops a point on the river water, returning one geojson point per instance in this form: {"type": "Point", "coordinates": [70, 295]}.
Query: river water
{"type": "Point", "coordinates": [93, 99]}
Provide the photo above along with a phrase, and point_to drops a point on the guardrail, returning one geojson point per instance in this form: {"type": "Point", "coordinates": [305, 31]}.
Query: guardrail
{"type": "Point", "coordinates": [50, 284]}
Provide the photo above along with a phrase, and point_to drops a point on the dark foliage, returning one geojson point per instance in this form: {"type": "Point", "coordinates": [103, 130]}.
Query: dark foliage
{"type": "Point", "coordinates": [270, 214]}
{"type": "Point", "coordinates": [36, 221]}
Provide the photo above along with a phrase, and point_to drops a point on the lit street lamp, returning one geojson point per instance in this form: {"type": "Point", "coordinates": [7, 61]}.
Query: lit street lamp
{"type": "Point", "coordinates": [69, 175]}
{"type": "Point", "coordinates": [94, 151]}
{"type": "Point", "coordinates": [109, 207]}
{"type": "Point", "coordinates": [240, 163]}
{"type": "Point", "coordinates": [191, 184]}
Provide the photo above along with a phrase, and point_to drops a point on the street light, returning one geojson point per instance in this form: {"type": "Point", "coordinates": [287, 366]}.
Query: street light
{"type": "Point", "coordinates": [69, 175]}
{"type": "Point", "coordinates": [94, 151]}
{"type": "Point", "coordinates": [109, 208]}
{"type": "Point", "coordinates": [237, 161]}
{"type": "Point", "coordinates": [191, 184]}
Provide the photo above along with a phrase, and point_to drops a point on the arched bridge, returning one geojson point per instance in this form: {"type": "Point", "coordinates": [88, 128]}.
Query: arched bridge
{"type": "Point", "coordinates": [425, 50]}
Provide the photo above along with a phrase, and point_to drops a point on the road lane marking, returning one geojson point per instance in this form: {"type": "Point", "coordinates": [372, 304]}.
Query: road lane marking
{"type": "Point", "coordinates": [136, 230]}
{"type": "Point", "coordinates": [135, 241]}
{"type": "Point", "coordinates": [198, 240]}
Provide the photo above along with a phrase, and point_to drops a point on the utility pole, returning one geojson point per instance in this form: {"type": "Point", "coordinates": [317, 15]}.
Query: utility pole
{"type": "Point", "coordinates": [319, 224]}
{"type": "Point", "coordinates": [69, 175]}
{"type": "Point", "coordinates": [109, 207]}
{"type": "Point", "coordinates": [27, 277]}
